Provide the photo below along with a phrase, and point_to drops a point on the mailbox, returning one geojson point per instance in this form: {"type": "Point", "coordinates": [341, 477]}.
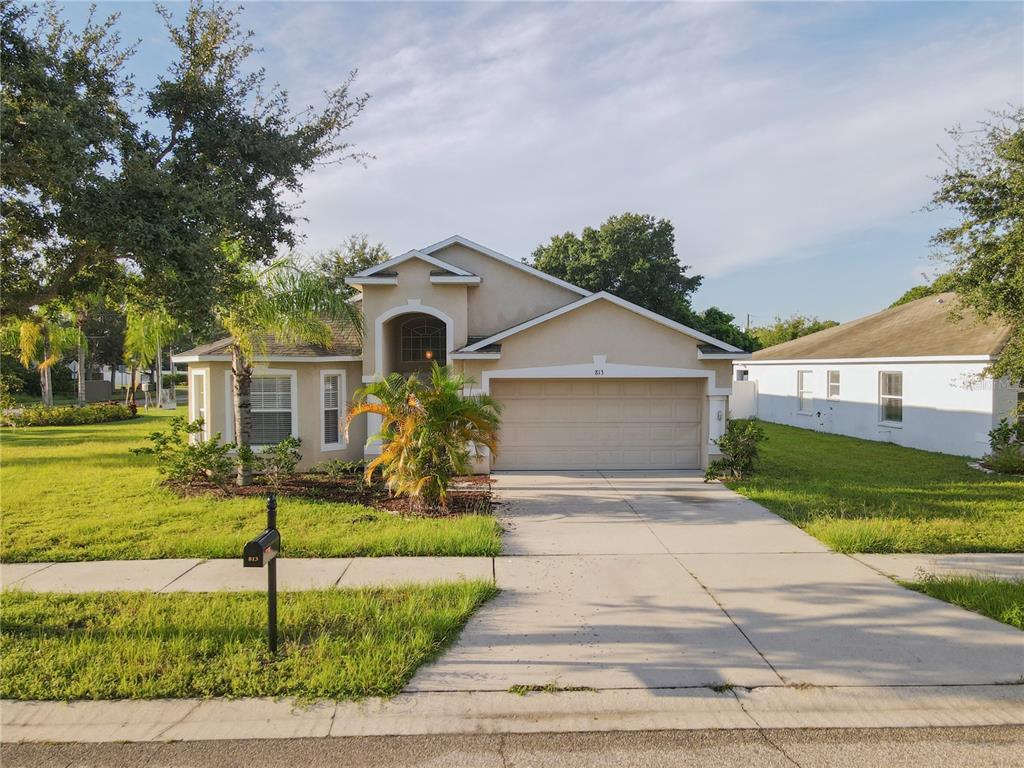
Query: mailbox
{"type": "Point", "coordinates": [261, 550]}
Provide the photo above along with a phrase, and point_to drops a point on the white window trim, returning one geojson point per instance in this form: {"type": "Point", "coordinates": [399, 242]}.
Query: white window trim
{"type": "Point", "coordinates": [326, 447]}
{"type": "Point", "coordinates": [229, 415]}
{"type": "Point", "coordinates": [193, 414]}
{"type": "Point", "coordinates": [882, 422]}
{"type": "Point", "coordinates": [828, 384]}
{"type": "Point", "coordinates": [807, 379]}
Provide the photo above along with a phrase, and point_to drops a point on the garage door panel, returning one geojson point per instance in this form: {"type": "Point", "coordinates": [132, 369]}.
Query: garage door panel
{"type": "Point", "coordinates": [599, 424]}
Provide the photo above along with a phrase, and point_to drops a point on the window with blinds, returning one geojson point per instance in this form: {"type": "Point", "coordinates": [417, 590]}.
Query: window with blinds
{"type": "Point", "coordinates": [271, 398]}
{"type": "Point", "coordinates": [331, 402]}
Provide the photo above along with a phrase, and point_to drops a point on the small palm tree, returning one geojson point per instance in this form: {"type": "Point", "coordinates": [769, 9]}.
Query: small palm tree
{"type": "Point", "coordinates": [42, 341]}
{"type": "Point", "coordinates": [147, 330]}
{"type": "Point", "coordinates": [430, 432]}
{"type": "Point", "coordinates": [283, 301]}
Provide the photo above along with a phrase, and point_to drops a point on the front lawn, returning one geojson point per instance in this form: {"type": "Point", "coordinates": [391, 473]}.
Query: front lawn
{"type": "Point", "coordinates": [864, 496]}
{"type": "Point", "coordinates": [77, 493]}
{"type": "Point", "coordinates": [334, 644]}
{"type": "Point", "coordinates": [997, 599]}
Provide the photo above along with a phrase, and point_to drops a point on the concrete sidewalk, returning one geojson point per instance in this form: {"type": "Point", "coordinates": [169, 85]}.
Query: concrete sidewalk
{"type": "Point", "coordinates": [502, 712]}
{"type": "Point", "coordinates": [197, 575]}
{"type": "Point", "coordinates": [1008, 567]}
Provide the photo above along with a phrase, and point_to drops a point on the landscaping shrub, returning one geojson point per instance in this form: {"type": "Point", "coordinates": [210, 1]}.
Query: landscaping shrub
{"type": "Point", "coordinates": [277, 462]}
{"type": "Point", "coordinates": [1007, 441]}
{"type": "Point", "coordinates": [174, 379]}
{"type": "Point", "coordinates": [339, 469]}
{"type": "Point", "coordinates": [183, 457]}
{"type": "Point", "coordinates": [66, 415]}
{"type": "Point", "coordinates": [740, 450]}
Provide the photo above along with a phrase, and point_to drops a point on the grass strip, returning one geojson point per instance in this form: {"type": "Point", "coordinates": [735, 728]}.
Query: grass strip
{"type": "Point", "coordinates": [334, 644]}
{"type": "Point", "coordinates": [996, 598]}
{"type": "Point", "coordinates": [865, 496]}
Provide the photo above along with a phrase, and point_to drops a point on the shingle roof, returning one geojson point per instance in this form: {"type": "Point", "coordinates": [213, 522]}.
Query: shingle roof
{"type": "Point", "coordinates": [346, 342]}
{"type": "Point", "coordinates": [919, 328]}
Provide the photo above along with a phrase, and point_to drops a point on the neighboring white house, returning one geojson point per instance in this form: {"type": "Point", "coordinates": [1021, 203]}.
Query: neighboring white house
{"type": "Point", "coordinates": [910, 375]}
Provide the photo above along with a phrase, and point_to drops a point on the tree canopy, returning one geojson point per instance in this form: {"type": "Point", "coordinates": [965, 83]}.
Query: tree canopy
{"type": "Point", "coordinates": [215, 153]}
{"type": "Point", "coordinates": [940, 284]}
{"type": "Point", "coordinates": [786, 329]}
{"type": "Point", "coordinates": [633, 256]}
{"type": "Point", "coordinates": [354, 255]}
{"type": "Point", "coordinates": [984, 185]}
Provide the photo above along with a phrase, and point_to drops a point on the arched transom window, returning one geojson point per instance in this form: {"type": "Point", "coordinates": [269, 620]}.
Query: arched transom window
{"type": "Point", "coordinates": [423, 340]}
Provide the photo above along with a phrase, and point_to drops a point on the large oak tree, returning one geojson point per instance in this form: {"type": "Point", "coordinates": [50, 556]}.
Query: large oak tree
{"type": "Point", "coordinates": [984, 185]}
{"type": "Point", "coordinates": [91, 181]}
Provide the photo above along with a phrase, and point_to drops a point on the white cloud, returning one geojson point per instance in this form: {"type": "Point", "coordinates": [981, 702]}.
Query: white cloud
{"type": "Point", "coordinates": [760, 131]}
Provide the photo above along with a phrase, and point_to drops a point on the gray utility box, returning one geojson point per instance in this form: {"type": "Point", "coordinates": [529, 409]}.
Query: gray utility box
{"type": "Point", "coordinates": [98, 391]}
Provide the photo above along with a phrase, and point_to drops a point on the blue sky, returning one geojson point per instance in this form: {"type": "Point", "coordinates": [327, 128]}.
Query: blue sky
{"type": "Point", "coordinates": [792, 145]}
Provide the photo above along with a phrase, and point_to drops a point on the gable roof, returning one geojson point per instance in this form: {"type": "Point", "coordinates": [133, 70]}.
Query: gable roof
{"type": "Point", "coordinates": [921, 328]}
{"type": "Point", "coordinates": [394, 261]}
{"type": "Point", "coordinates": [346, 342]}
{"type": "Point", "coordinates": [601, 296]}
{"type": "Point", "coordinates": [465, 241]}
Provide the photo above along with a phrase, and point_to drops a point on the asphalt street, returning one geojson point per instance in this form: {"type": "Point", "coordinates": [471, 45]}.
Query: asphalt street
{"type": "Point", "coordinates": [851, 748]}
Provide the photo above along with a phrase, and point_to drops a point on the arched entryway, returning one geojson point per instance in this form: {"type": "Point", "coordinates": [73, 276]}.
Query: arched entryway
{"type": "Point", "coordinates": [412, 341]}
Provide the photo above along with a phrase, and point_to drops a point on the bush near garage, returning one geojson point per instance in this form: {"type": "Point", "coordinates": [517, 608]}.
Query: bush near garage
{"type": "Point", "coordinates": [740, 450]}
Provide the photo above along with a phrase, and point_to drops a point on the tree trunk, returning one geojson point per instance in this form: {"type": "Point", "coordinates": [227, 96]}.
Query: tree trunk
{"type": "Point", "coordinates": [241, 375]}
{"type": "Point", "coordinates": [174, 376]}
{"type": "Point", "coordinates": [45, 381]}
{"type": "Point", "coordinates": [81, 359]}
{"type": "Point", "coordinates": [129, 394]}
{"type": "Point", "coordinates": [159, 374]}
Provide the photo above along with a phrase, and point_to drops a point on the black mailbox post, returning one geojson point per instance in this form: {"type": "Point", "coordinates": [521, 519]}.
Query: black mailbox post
{"type": "Point", "coordinates": [263, 551]}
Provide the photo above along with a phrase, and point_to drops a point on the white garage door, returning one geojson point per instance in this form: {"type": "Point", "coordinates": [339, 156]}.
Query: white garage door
{"type": "Point", "coordinates": [599, 423]}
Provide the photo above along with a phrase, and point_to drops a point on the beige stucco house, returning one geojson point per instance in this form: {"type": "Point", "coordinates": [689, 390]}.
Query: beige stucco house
{"type": "Point", "coordinates": [586, 380]}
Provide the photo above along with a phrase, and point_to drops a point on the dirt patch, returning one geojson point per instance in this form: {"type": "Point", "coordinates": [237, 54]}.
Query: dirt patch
{"type": "Point", "coordinates": [468, 495]}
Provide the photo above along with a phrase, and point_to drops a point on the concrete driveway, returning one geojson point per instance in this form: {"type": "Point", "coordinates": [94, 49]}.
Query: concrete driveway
{"type": "Point", "coordinates": [660, 581]}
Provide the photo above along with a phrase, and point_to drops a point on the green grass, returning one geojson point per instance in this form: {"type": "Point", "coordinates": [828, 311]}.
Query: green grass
{"type": "Point", "coordinates": [864, 496]}
{"type": "Point", "coordinates": [334, 644]}
{"type": "Point", "coordinates": [997, 599]}
{"type": "Point", "coordinates": [77, 493]}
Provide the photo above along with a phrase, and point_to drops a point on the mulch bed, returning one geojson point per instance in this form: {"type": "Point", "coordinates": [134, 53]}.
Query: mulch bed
{"type": "Point", "coordinates": [468, 495]}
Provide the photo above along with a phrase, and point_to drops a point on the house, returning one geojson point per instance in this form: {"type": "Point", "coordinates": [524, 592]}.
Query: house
{"type": "Point", "coordinates": [911, 375]}
{"type": "Point", "coordinates": [586, 380]}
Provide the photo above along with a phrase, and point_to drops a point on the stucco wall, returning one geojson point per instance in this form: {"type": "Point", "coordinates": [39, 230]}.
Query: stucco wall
{"type": "Point", "coordinates": [307, 376]}
{"type": "Point", "coordinates": [602, 328]}
{"type": "Point", "coordinates": [506, 295]}
{"type": "Point", "coordinates": [946, 408]}
{"type": "Point", "coordinates": [413, 284]}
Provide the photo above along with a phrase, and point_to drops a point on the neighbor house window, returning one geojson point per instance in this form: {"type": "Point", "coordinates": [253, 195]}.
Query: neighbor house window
{"type": "Point", "coordinates": [742, 374]}
{"type": "Point", "coordinates": [890, 396]}
{"type": "Point", "coordinates": [332, 398]}
{"type": "Point", "coordinates": [804, 394]}
{"type": "Point", "coordinates": [833, 385]}
{"type": "Point", "coordinates": [272, 406]}
{"type": "Point", "coordinates": [423, 340]}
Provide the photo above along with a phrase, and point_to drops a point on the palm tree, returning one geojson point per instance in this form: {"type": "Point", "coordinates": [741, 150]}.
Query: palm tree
{"type": "Point", "coordinates": [42, 341]}
{"type": "Point", "coordinates": [283, 301]}
{"type": "Point", "coordinates": [427, 430]}
{"type": "Point", "coordinates": [146, 331]}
